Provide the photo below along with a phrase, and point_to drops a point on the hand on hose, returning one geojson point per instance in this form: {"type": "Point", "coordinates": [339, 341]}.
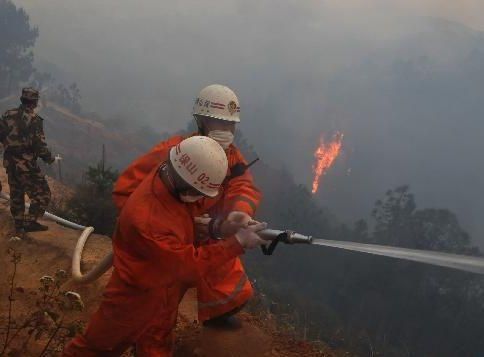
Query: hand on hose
{"type": "Point", "coordinates": [221, 228]}
{"type": "Point", "coordinates": [216, 228]}
{"type": "Point", "coordinates": [235, 220]}
{"type": "Point", "coordinates": [241, 217]}
{"type": "Point", "coordinates": [248, 237]}
{"type": "Point", "coordinates": [201, 227]}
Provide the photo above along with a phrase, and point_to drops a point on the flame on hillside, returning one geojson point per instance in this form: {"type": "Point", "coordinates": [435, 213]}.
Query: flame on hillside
{"type": "Point", "coordinates": [325, 155]}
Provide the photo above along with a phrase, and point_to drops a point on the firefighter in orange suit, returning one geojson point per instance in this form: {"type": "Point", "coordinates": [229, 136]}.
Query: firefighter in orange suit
{"type": "Point", "coordinates": [155, 260]}
{"type": "Point", "coordinates": [216, 111]}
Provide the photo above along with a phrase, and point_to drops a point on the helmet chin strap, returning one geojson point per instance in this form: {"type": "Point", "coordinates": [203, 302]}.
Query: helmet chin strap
{"type": "Point", "coordinates": [199, 122]}
{"type": "Point", "coordinates": [189, 198]}
{"type": "Point", "coordinates": [180, 194]}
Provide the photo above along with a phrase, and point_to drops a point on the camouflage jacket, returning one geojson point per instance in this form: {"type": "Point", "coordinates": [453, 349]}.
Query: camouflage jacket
{"type": "Point", "coordinates": [22, 136]}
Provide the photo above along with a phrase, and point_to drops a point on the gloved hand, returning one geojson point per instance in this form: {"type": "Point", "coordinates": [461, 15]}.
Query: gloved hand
{"type": "Point", "coordinates": [248, 237]}
{"type": "Point", "coordinates": [50, 160]}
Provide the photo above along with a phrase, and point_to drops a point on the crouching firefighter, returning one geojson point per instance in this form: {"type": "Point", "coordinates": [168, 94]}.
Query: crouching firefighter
{"type": "Point", "coordinates": [23, 139]}
{"type": "Point", "coordinates": [155, 259]}
{"type": "Point", "coordinates": [223, 291]}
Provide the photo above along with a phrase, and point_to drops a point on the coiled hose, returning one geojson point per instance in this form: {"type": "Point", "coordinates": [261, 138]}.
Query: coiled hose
{"type": "Point", "coordinates": [77, 275]}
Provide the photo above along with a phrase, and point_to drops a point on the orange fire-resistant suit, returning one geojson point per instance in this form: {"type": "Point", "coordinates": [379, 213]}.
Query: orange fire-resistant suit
{"type": "Point", "coordinates": [227, 287]}
{"type": "Point", "coordinates": [155, 262]}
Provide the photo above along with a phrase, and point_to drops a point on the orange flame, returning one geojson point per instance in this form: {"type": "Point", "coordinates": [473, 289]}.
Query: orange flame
{"type": "Point", "coordinates": [325, 155]}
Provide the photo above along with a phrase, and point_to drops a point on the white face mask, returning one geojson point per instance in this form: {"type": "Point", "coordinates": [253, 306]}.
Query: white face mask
{"type": "Point", "coordinates": [223, 137]}
{"type": "Point", "coordinates": [189, 198]}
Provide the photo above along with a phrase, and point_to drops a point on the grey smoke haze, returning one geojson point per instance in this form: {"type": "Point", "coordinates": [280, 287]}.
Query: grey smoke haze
{"type": "Point", "coordinates": [404, 80]}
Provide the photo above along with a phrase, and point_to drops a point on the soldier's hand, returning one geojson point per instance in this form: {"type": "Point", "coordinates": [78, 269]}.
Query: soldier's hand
{"type": "Point", "coordinates": [50, 160]}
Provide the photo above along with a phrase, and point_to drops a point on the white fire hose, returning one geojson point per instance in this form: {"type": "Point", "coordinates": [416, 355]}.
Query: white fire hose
{"type": "Point", "coordinates": [98, 270]}
{"type": "Point", "coordinates": [77, 275]}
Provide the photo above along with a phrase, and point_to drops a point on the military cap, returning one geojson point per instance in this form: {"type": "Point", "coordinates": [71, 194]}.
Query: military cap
{"type": "Point", "coordinates": [30, 94]}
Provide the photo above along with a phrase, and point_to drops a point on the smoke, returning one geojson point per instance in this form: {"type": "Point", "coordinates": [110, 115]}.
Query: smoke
{"type": "Point", "coordinates": [401, 79]}
{"type": "Point", "coordinates": [467, 12]}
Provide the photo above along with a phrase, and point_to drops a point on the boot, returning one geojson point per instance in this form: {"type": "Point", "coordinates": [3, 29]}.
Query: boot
{"type": "Point", "coordinates": [34, 226]}
{"type": "Point", "coordinates": [225, 322]}
{"type": "Point", "coordinates": [19, 226]}
{"type": "Point", "coordinates": [19, 229]}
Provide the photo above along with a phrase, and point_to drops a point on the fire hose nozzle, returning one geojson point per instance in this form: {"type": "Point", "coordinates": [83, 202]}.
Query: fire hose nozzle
{"type": "Point", "coordinates": [287, 237]}
{"type": "Point", "coordinates": [296, 238]}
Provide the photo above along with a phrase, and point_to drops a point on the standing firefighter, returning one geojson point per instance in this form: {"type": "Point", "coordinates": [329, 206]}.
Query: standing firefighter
{"type": "Point", "coordinates": [155, 259]}
{"type": "Point", "coordinates": [23, 139]}
{"type": "Point", "coordinates": [223, 291]}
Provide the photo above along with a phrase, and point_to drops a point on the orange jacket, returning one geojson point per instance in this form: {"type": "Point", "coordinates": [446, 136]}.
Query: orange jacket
{"type": "Point", "coordinates": [153, 242]}
{"type": "Point", "coordinates": [238, 193]}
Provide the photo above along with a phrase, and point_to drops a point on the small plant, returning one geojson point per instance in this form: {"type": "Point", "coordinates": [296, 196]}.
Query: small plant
{"type": "Point", "coordinates": [15, 258]}
{"type": "Point", "coordinates": [47, 322]}
{"type": "Point", "coordinates": [91, 203]}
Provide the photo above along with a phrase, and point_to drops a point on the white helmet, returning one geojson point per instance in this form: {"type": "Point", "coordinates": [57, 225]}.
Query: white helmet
{"type": "Point", "coordinates": [201, 162]}
{"type": "Point", "coordinates": [219, 102]}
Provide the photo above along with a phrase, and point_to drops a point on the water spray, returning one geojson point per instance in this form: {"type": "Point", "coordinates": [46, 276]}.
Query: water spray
{"type": "Point", "coordinates": [453, 261]}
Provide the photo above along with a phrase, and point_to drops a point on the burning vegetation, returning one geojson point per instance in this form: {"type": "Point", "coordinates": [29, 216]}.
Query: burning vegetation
{"type": "Point", "coordinates": [325, 155]}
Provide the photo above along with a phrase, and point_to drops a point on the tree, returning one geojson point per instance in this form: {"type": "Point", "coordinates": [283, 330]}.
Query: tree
{"type": "Point", "coordinates": [41, 79]}
{"type": "Point", "coordinates": [69, 97]}
{"type": "Point", "coordinates": [91, 203]}
{"type": "Point", "coordinates": [16, 43]}
{"type": "Point", "coordinates": [392, 215]}
{"type": "Point", "coordinates": [439, 229]}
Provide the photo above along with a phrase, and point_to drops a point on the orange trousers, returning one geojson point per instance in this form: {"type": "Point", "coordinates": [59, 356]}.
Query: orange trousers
{"type": "Point", "coordinates": [130, 316]}
{"type": "Point", "coordinates": [146, 319]}
{"type": "Point", "coordinates": [223, 290]}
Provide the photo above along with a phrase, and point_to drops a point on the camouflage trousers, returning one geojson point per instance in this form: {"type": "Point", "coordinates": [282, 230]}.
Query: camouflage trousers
{"type": "Point", "coordinates": [32, 183]}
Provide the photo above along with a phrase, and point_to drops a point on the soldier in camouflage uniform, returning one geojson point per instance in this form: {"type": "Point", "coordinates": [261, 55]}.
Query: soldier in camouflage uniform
{"type": "Point", "coordinates": [23, 139]}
